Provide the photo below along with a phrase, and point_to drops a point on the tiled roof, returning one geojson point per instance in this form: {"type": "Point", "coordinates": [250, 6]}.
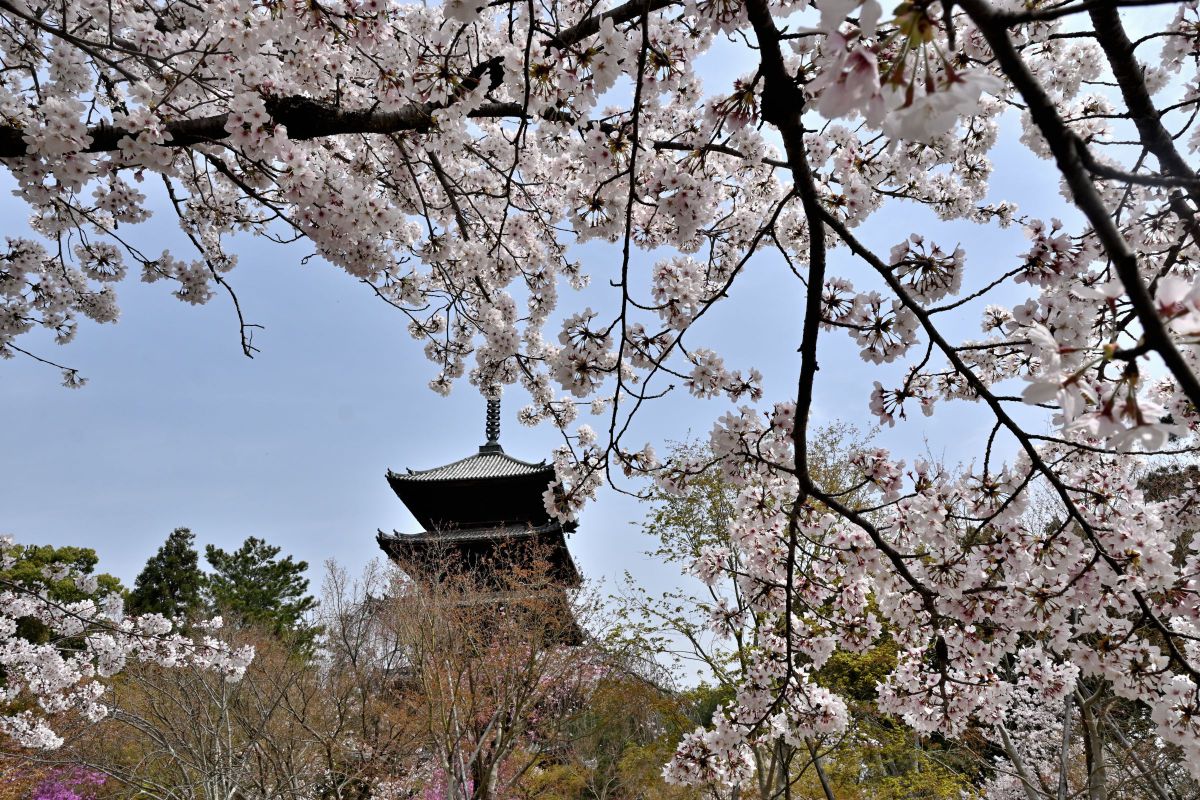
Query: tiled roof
{"type": "Point", "coordinates": [480, 465]}
{"type": "Point", "coordinates": [418, 548]}
{"type": "Point", "coordinates": [468, 534]}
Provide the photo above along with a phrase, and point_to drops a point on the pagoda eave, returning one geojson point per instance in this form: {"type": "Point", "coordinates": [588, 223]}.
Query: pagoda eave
{"type": "Point", "coordinates": [483, 491]}
{"type": "Point", "coordinates": [431, 552]}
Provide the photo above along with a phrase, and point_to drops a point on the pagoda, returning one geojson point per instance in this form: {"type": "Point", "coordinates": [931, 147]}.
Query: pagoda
{"type": "Point", "coordinates": [481, 514]}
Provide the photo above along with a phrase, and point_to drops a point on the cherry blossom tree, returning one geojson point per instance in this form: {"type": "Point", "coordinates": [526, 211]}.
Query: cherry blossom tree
{"type": "Point", "coordinates": [61, 674]}
{"type": "Point", "coordinates": [451, 157]}
{"type": "Point", "coordinates": [715, 631]}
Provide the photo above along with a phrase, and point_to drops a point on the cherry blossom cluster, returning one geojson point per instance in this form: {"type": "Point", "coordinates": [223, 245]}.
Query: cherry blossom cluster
{"type": "Point", "coordinates": [996, 622]}
{"type": "Point", "coordinates": [89, 641]}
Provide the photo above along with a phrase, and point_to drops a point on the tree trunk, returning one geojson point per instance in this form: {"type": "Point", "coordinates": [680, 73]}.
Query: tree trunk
{"type": "Point", "coordinates": [1064, 752]}
{"type": "Point", "coordinates": [1031, 791]}
{"type": "Point", "coordinates": [1097, 773]}
{"type": "Point", "coordinates": [816, 760]}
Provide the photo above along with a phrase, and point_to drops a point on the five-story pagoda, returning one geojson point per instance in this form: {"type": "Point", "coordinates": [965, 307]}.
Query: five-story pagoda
{"type": "Point", "coordinates": [479, 515]}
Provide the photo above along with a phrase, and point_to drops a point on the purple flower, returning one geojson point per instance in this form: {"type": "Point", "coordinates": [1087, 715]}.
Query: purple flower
{"type": "Point", "coordinates": [69, 784]}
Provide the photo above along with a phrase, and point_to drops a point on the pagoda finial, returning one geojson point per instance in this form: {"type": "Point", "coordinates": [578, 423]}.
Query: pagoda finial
{"type": "Point", "coordinates": [493, 423]}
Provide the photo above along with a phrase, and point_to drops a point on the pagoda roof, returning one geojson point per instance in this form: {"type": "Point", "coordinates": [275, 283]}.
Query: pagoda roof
{"type": "Point", "coordinates": [488, 463]}
{"type": "Point", "coordinates": [426, 547]}
{"type": "Point", "coordinates": [500, 532]}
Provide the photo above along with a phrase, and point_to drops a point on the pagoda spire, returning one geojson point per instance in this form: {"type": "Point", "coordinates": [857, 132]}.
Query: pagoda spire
{"type": "Point", "coordinates": [492, 427]}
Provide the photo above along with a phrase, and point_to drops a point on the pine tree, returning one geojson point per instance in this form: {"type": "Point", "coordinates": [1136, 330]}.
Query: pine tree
{"type": "Point", "coordinates": [254, 585]}
{"type": "Point", "coordinates": [171, 583]}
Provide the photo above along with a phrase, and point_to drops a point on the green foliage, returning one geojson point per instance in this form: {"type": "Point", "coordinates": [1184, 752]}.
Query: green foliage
{"type": "Point", "coordinates": [702, 702]}
{"type": "Point", "coordinates": [882, 758]}
{"type": "Point", "coordinates": [33, 561]}
{"type": "Point", "coordinates": [855, 675]}
{"type": "Point", "coordinates": [677, 625]}
{"type": "Point", "coordinates": [171, 583]}
{"type": "Point", "coordinates": [255, 586]}
{"type": "Point", "coordinates": [252, 585]}
{"type": "Point", "coordinates": [627, 730]}
{"type": "Point", "coordinates": [687, 523]}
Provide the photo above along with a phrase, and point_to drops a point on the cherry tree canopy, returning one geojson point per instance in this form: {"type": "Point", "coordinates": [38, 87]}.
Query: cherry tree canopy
{"type": "Point", "coordinates": [61, 671]}
{"type": "Point", "coordinates": [450, 156]}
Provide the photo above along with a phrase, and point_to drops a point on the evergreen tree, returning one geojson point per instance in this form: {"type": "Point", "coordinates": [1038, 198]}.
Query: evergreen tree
{"type": "Point", "coordinates": [171, 583]}
{"type": "Point", "coordinates": [254, 585]}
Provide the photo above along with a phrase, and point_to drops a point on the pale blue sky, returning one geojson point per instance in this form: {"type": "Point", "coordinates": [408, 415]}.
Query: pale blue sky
{"type": "Point", "coordinates": [176, 428]}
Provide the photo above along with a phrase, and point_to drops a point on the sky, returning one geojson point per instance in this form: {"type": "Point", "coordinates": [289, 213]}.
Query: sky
{"type": "Point", "coordinates": [177, 428]}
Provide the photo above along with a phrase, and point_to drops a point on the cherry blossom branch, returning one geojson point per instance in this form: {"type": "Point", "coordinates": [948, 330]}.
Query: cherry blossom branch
{"type": "Point", "coordinates": [630, 198]}
{"type": "Point", "coordinates": [1110, 33]}
{"type": "Point", "coordinates": [714, 148]}
{"type": "Point", "coordinates": [306, 118]}
{"type": "Point", "coordinates": [245, 329]}
{"type": "Point", "coordinates": [1170, 636]}
{"type": "Point", "coordinates": [626, 12]}
{"type": "Point", "coordinates": [782, 106]}
{"type": "Point", "coordinates": [71, 377]}
{"type": "Point", "coordinates": [1105, 171]}
{"type": "Point", "coordinates": [1015, 18]}
{"type": "Point", "coordinates": [1066, 146]}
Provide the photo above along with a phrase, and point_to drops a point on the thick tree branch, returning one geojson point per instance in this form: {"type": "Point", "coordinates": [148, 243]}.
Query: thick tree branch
{"type": "Point", "coordinates": [1110, 34]}
{"type": "Point", "coordinates": [782, 105]}
{"type": "Point", "coordinates": [627, 12]}
{"type": "Point", "coordinates": [1067, 9]}
{"type": "Point", "coordinates": [305, 119]}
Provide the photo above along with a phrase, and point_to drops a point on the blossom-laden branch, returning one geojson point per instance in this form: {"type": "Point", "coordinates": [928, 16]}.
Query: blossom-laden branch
{"type": "Point", "coordinates": [85, 643]}
{"type": "Point", "coordinates": [453, 156]}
